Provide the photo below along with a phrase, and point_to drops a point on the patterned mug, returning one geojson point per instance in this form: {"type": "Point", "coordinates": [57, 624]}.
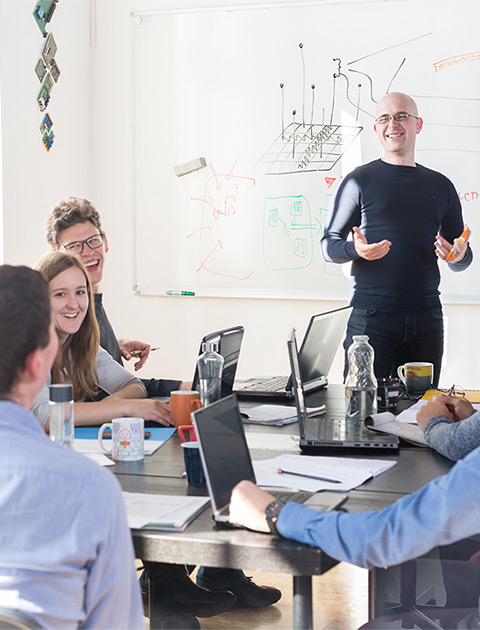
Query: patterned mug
{"type": "Point", "coordinates": [127, 439]}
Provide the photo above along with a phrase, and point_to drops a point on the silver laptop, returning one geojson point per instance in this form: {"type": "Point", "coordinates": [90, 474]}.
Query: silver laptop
{"type": "Point", "coordinates": [319, 346]}
{"type": "Point", "coordinates": [226, 460]}
{"type": "Point", "coordinates": [320, 434]}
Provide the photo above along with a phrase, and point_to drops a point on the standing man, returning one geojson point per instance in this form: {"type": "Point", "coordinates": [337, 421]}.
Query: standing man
{"type": "Point", "coordinates": [66, 554]}
{"type": "Point", "coordinates": [402, 216]}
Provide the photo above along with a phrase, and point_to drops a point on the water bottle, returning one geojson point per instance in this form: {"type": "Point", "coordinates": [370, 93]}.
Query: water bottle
{"type": "Point", "coordinates": [210, 368]}
{"type": "Point", "coordinates": [361, 384]}
{"type": "Point", "coordinates": [61, 414]}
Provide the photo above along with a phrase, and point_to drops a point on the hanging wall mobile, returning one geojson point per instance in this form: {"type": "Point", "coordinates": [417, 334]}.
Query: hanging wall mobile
{"type": "Point", "coordinates": [47, 70]}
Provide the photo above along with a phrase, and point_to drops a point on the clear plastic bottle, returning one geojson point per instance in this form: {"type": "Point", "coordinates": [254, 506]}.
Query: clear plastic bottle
{"type": "Point", "coordinates": [210, 368]}
{"type": "Point", "coordinates": [361, 384]}
{"type": "Point", "coordinates": [61, 414]}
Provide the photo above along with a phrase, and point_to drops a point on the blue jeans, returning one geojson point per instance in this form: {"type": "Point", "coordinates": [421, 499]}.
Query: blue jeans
{"type": "Point", "coordinates": [398, 338]}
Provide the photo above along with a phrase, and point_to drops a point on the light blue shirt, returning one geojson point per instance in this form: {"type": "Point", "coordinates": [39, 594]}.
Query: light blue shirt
{"type": "Point", "coordinates": [66, 554]}
{"type": "Point", "coordinates": [446, 510]}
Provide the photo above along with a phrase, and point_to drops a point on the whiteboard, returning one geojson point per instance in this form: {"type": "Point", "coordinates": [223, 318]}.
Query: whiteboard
{"type": "Point", "coordinates": [280, 101]}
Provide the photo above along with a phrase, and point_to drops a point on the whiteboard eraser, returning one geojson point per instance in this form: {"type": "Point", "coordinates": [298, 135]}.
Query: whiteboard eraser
{"type": "Point", "coordinates": [189, 167]}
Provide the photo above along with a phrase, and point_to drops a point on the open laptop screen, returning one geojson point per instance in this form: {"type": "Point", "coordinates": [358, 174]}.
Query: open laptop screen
{"type": "Point", "coordinates": [223, 448]}
{"type": "Point", "coordinates": [297, 382]}
{"type": "Point", "coordinates": [229, 343]}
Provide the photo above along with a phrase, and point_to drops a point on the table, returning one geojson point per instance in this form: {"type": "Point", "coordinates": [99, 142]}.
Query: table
{"type": "Point", "coordinates": [204, 544]}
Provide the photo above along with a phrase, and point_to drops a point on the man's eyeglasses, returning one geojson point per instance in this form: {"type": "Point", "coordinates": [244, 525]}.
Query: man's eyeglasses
{"type": "Point", "coordinates": [400, 117]}
{"type": "Point", "coordinates": [93, 242]}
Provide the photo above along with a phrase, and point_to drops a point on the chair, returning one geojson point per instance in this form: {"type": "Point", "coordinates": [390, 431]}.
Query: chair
{"type": "Point", "coordinates": [11, 619]}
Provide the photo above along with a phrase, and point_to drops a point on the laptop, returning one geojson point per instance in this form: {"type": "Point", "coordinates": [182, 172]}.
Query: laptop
{"type": "Point", "coordinates": [319, 346]}
{"type": "Point", "coordinates": [320, 434]}
{"type": "Point", "coordinates": [226, 460]}
{"type": "Point", "coordinates": [229, 343]}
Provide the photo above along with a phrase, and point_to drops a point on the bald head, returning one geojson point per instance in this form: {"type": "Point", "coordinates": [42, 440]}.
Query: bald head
{"type": "Point", "coordinates": [404, 102]}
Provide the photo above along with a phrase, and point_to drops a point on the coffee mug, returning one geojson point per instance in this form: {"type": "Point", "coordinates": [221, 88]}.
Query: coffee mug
{"type": "Point", "coordinates": [416, 376]}
{"type": "Point", "coordinates": [183, 402]}
{"type": "Point", "coordinates": [187, 433]}
{"type": "Point", "coordinates": [127, 439]}
{"type": "Point", "coordinates": [389, 392]}
{"type": "Point", "coordinates": [193, 464]}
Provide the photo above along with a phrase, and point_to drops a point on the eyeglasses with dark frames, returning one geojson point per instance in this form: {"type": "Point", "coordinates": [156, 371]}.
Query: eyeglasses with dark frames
{"type": "Point", "coordinates": [76, 247]}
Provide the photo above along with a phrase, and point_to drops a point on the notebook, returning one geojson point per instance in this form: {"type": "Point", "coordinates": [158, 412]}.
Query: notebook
{"type": "Point", "coordinates": [319, 346]}
{"type": "Point", "coordinates": [319, 434]}
{"type": "Point", "coordinates": [226, 459]}
{"type": "Point", "coordinates": [229, 343]}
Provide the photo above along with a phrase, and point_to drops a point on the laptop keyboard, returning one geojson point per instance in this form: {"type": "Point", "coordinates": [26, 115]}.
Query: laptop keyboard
{"type": "Point", "coordinates": [289, 495]}
{"type": "Point", "coordinates": [273, 385]}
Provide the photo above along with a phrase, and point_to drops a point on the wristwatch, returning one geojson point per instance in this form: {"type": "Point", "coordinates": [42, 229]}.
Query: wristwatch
{"type": "Point", "coordinates": [272, 511]}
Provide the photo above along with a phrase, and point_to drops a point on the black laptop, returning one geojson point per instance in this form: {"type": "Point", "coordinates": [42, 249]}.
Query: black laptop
{"type": "Point", "coordinates": [321, 434]}
{"type": "Point", "coordinates": [229, 342]}
{"type": "Point", "coordinates": [319, 346]}
{"type": "Point", "coordinates": [226, 460]}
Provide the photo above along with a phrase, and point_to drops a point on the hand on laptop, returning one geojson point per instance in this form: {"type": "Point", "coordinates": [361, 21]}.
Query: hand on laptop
{"type": "Point", "coordinates": [141, 350]}
{"type": "Point", "coordinates": [247, 506]}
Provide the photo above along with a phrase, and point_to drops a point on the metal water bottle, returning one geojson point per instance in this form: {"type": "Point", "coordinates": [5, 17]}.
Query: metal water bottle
{"type": "Point", "coordinates": [61, 414]}
{"type": "Point", "coordinates": [361, 384]}
{"type": "Point", "coordinates": [210, 368]}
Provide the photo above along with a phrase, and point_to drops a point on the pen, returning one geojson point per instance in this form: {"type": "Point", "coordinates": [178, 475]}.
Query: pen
{"type": "Point", "coordinates": [297, 474]}
{"type": "Point", "coordinates": [451, 390]}
{"type": "Point", "coordinates": [135, 352]}
{"type": "Point", "coordinates": [180, 292]}
{"type": "Point", "coordinates": [454, 250]}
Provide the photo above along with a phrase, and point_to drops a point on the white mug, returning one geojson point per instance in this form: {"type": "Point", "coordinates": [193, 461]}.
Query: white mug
{"type": "Point", "coordinates": [127, 439]}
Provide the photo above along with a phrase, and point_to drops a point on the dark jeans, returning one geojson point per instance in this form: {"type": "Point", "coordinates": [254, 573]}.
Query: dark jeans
{"type": "Point", "coordinates": [398, 338]}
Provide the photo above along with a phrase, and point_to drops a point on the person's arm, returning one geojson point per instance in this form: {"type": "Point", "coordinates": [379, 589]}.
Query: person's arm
{"type": "Point", "coordinates": [444, 511]}
{"type": "Point", "coordinates": [95, 413]}
{"type": "Point", "coordinates": [451, 229]}
{"type": "Point", "coordinates": [112, 591]}
{"type": "Point", "coordinates": [344, 218]}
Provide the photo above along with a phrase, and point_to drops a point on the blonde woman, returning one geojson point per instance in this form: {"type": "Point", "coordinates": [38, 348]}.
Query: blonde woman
{"type": "Point", "coordinates": [80, 359]}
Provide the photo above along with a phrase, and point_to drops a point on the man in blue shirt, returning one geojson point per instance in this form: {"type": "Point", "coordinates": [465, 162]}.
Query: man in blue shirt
{"type": "Point", "coordinates": [402, 217]}
{"type": "Point", "coordinates": [446, 510]}
{"type": "Point", "coordinates": [66, 554]}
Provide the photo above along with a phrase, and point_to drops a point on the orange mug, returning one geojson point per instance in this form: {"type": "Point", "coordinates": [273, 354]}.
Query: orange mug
{"type": "Point", "coordinates": [183, 402]}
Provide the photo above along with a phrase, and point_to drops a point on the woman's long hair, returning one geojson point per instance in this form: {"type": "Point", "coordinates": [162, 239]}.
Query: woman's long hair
{"type": "Point", "coordinates": [76, 358]}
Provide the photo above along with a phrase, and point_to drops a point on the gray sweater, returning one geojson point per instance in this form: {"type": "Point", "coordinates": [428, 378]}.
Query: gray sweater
{"type": "Point", "coordinates": [453, 439]}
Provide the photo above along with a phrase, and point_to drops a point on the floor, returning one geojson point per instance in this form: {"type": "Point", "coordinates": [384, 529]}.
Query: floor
{"type": "Point", "coordinates": [340, 602]}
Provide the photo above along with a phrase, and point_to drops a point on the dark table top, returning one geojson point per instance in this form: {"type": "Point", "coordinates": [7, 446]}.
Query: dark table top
{"type": "Point", "coordinates": [204, 543]}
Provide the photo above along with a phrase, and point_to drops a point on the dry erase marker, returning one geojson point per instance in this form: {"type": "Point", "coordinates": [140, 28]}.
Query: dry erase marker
{"type": "Point", "coordinates": [173, 292]}
{"type": "Point", "coordinates": [454, 250]}
{"type": "Point", "coordinates": [135, 352]}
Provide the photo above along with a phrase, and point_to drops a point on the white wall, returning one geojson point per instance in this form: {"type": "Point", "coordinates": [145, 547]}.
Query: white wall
{"type": "Point", "coordinates": [91, 157]}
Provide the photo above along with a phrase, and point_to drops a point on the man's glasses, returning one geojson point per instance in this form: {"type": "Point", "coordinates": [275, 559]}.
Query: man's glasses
{"type": "Point", "coordinates": [93, 242]}
{"type": "Point", "coordinates": [400, 117]}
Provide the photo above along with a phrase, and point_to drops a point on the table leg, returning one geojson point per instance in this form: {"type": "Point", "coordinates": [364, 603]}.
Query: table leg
{"type": "Point", "coordinates": [302, 602]}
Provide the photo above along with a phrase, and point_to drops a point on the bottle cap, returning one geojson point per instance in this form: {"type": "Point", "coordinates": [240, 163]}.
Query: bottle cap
{"type": "Point", "coordinates": [360, 337]}
{"type": "Point", "coordinates": [61, 393]}
{"type": "Point", "coordinates": [210, 346]}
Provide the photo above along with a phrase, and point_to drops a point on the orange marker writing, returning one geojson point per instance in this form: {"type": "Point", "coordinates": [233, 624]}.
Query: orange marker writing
{"type": "Point", "coordinates": [454, 250]}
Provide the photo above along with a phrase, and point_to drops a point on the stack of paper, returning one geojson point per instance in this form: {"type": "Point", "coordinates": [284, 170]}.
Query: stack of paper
{"type": "Point", "coordinates": [314, 473]}
{"type": "Point", "coordinates": [162, 511]}
{"type": "Point", "coordinates": [386, 422]}
{"type": "Point", "coordinates": [276, 415]}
